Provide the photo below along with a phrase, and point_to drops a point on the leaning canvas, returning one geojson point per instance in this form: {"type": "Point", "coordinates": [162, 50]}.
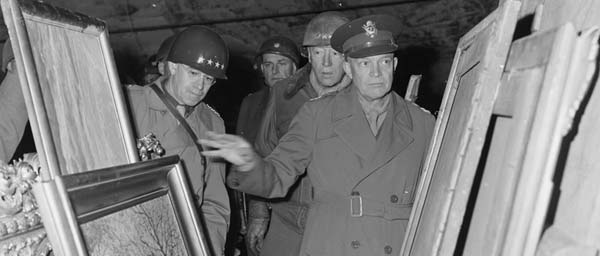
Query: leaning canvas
{"type": "Point", "coordinates": [72, 91]}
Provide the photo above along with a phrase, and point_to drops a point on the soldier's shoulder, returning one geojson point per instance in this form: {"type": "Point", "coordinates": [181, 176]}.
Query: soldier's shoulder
{"type": "Point", "coordinates": [211, 111]}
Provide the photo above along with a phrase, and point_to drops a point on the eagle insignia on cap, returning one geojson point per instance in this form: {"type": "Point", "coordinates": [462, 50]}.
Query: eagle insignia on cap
{"type": "Point", "coordinates": [370, 28]}
{"type": "Point", "coordinates": [276, 45]}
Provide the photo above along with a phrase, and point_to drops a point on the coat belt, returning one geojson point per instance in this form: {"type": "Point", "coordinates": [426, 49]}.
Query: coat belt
{"type": "Point", "coordinates": [358, 206]}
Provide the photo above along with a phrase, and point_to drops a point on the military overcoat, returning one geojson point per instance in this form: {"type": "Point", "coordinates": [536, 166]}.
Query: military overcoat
{"type": "Point", "coordinates": [364, 184]}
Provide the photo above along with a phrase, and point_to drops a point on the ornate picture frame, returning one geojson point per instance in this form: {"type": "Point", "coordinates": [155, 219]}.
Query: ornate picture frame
{"type": "Point", "coordinates": [153, 194]}
{"type": "Point", "coordinates": [73, 95]}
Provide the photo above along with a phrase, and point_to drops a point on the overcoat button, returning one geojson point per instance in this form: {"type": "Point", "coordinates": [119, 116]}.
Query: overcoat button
{"type": "Point", "coordinates": [394, 199]}
{"type": "Point", "coordinates": [234, 183]}
{"type": "Point", "coordinates": [387, 249]}
{"type": "Point", "coordinates": [355, 244]}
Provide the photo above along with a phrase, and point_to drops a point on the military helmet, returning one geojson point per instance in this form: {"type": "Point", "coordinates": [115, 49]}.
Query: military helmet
{"type": "Point", "coordinates": [164, 48]}
{"type": "Point", "coordinates": [201, 49]}
{"type": "Point", "coordinates": [321, 27]}
{"type": "Point", "coordinates": [279, 45]}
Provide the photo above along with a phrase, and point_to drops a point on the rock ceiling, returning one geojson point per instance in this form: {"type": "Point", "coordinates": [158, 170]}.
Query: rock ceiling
{"type": "Point", "coordinates": [138, 26]}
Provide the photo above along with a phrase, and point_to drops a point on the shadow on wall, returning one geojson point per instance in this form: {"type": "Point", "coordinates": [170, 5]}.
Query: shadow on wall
{"type": "Point", "coordinates": [434, 68]}
{"type": "Point", "coordinates": [226, 95]}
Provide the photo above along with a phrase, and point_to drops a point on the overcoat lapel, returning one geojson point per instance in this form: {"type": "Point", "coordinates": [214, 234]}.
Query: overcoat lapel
{"type": "Point", "coordinates": [395, 136]}
{"type": "Point", "coordinates": [350, 124]}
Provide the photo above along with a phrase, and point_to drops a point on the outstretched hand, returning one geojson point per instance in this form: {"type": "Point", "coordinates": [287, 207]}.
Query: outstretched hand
{"type": "Point", "coordinates": [232, 148]}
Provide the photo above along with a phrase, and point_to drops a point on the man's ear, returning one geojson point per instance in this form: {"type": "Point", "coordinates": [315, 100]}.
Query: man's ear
{"type": "Point", "coordinates": [294, 68]}
{"type": "Point", "coordinates": [347, 69]}
{"type": "Point", "coordinates": [161, 67]}
{"type": "Point", "coordinates": [172, 67]}
{"type": "Point", "coordinates": [395, 63]}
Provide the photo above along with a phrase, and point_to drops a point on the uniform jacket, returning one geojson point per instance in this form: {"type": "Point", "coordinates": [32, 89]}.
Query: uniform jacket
{"type": "Point", "coordinates": [13, 115]}
{"type": "Point", "coordinates": [151, 115]}
{"type": "Point", "coordinates": [350, 168]}
{"type": "Point", "coordinates": [287, 97]}
{"type": "Point", "coordinates": [252, 111]}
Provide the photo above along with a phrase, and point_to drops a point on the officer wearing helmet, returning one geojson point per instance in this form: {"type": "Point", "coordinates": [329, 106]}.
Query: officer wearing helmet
{"type": "Point", "coordinates": [322, 75]}
{"type": "Point", "coordinates": [278, 58]}
{"type": "Point", "coordinates": [362, 148]}
{"type": "Point", "coordinates": [172, 108]}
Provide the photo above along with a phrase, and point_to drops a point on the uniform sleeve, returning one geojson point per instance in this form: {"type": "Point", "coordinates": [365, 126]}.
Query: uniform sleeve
{"type": "Point", "coordinates": [242, 117]}
{"type": "Point", "coordinates": [13, 116]}
{"type": "Point", "coordinates": [266, 137]}
{"type": "Point", "coordinates": [215, 205]}
{"type": "Point", "coordinates": [275, 174]}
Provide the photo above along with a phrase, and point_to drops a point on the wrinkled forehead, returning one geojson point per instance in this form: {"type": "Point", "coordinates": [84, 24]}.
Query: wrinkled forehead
{"type": "Point", "coordinates": [274, 58]}
{"type": "Point", "coordinates": [187, 68]}
{"type": "Point", "coordinates": [371, 58]}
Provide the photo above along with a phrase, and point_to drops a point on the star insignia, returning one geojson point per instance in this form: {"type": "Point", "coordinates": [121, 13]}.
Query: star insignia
{"type": "Point", "coordinates": [200, 59]}
{"type": "Point", "coordinates": [217, 64]}
{"type": "Point", "coordinates": [276, 45]}
{"type": "Point", "coordinates": [210, 62]}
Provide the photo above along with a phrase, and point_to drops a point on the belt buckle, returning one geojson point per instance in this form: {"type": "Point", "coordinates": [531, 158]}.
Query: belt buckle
{"type": "Point", "coordinates": [356, 209]}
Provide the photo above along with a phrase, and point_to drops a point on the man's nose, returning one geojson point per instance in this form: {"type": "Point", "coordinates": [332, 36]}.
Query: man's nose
{"type": "Point", "coordinates": [375, 70]}
{"type": "Point", "coordinates": [275, 69]}
{"type": "Point", "coordinates": [327, 59]}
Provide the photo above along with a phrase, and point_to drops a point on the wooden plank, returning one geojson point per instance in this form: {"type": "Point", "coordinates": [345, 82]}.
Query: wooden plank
{"type": "Point", "coordinates": [581, 13]}
{"type": "Point", "coordinates": [577, 220]}
{"type": "Point", "coordinates": [78, 112]}
{"type": "Point", "coordinates": [412, 91]}
{"type": "Point", "coordinates": [535, 180]}
{"type": "Point", "coordinates": [459, 133]}
{"type": "Point", "coordinates": [517, 100]}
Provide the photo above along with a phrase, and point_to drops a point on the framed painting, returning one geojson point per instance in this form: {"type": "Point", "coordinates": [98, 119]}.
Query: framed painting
{"type": "Point", "coordinates": [460, 130]}
{"type": "Point", "coordinates": [143, 208]}
{"type": "Point", "coordinates": [73, 95]}
{"type": "Point", "coordinates": [533, 83]}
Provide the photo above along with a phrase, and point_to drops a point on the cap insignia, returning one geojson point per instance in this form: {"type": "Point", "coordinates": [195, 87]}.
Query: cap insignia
{"type": "Point", "coordinates": [276, 45]}
{"type": "Point", "coordinates": [370, 29]}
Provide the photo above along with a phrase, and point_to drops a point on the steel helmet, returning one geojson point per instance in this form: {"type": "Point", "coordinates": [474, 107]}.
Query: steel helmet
{"type": "Point", "coordinates": [164, 48]}
{"type": "Point", "coordinates": [201, 49]}
{"type": "Point", "coordinates": [321, 27]}
{"type": "Point", "coordinates": [279, 45]}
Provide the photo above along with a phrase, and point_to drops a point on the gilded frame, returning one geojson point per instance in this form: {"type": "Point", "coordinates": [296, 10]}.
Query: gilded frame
{"type": "Point", "coordinates": [73, 95]}
{"type": "Point", "coordinates": [69, 202]}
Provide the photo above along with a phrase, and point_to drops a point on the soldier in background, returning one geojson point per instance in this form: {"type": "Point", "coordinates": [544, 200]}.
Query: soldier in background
{"type": "Point", "coordinates": [172, 108]}
{"type": "Point", "coordinates": [322, 75]}
{"type": "Point", "coordinates": [278, 58]}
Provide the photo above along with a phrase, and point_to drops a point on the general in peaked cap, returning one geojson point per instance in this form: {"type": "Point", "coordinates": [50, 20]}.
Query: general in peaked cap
{"type": "Point", "coordinates": [366, 36]}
